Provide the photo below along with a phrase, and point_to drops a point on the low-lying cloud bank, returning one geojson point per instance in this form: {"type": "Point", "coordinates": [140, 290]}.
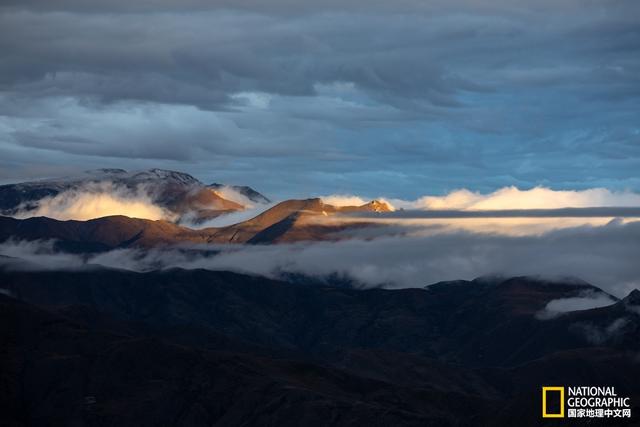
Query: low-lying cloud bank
{"type": "Point", "coordinates": [105, 198]}
{"type": "Point", "coordinates": [229, 193]}
{"type": "Point", "coordinates": [506, 198]}
{"type": "Point", "coordinates": [94, 201]}
{"type": "Point", "coordinates": [587, 301]}
{"type": "Point", "coordinates": [606, 256]}
{"type": "Point", "coordinates": [231, 218]}
{"type": "Point", "coordinates": [599, 335]}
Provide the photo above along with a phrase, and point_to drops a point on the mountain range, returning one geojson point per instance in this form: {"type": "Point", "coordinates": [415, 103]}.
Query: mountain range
{"type": "Point", "coordinates": [88, 345]}
{"type": "Point", "coordinates": [178, 192]}
{"type": "Point", "coordinates": [287, 221]}
{"type": "Point", "coordinates": [196, 347]}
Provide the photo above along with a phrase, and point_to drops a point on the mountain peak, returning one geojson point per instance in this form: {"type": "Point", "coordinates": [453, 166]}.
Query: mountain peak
{"type": "Point", "coordinates": [179, 193]}
{"type": "Point", "coordinates": [165, 174]}
{"type": "Point", "coordinates": [378, 206]}
{"type": "Point", "coordinates": [148, 175]}
{"type": "Point", "coordinates": [633, 298]}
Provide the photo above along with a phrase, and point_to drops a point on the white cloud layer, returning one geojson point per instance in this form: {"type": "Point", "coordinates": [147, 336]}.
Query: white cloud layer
{"type": "Point", "coordinates": [233, 217]}
{"type": "Point", "coordinates": [95, 201]}
{"type": "Point", "coordinates": [104, 199]}
{"type": "Point", "coordinates": [229, 193]}
{"type": "Point", "coordinates": [606, 256]}
{"type": "Point", "coordinates": [589, 300]}
{"type": "Point", "coordinates": [343, 200]}
{"type": "Point", "coordinates": [509, 198]}
{"type": "Point", "coordinates": [535, 198]}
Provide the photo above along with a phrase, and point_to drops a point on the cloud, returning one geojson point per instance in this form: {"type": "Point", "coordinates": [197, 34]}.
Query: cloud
{"type": "Point", "coordinates": [37, 255]}
{"type": "Point", "coordinates": [96, 200]}
{"type": "Point", "coordinates": [230, 218]}
{"type": "Point", "coordinates": [599, 335]}
{"type": "Point", "coordinates": [586, 301]}
{"type": "Point", "coordinates": [343, 200]}
{"type": "Point", "coordinates": [506, 198]}
{"type": "Point", "coordinates": [294, 98]}
{"type": "Point", "coordinates": [251, 210]}
{"type": "Point", "coordinates": [154, 194]}
{"type": "Point", "coordinates": [605, 256]}
{"type": "Point", "coordinates": [229, 193]}
{"type": "Point", "coordinates": [535, 198]}
{"type": "Point", "coordinates": [402, 261]}
{"type": "Point", "coordinates": [507, 211]}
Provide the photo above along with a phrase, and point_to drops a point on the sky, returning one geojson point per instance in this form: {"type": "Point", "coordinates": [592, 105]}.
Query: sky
{"type": "Point", "coordinates": [295, 98]}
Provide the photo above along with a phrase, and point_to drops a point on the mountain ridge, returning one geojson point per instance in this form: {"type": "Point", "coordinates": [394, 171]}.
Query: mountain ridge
{"type": "Point", "coordinates": [178, 192]}
{"type": "Point", "coordinates": [122, 231]}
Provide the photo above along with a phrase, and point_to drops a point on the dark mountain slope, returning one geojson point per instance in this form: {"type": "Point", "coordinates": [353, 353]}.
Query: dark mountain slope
{"type": "Point", "coordinates": [99, 234]}
{"type": "Point", "coordinates": [107, 347]}
{"type": "Point", "coordinates": [484, 327]}
{"type": "Point", "coordinates": [73, 374]}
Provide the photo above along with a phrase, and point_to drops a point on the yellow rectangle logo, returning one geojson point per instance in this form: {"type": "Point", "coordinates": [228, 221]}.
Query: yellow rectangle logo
{"type": "Point", "coordinates": [545, 414]}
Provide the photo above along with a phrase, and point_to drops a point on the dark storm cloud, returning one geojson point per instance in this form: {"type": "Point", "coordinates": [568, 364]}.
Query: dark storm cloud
{"type": "Point", "coordinates": [203, 58]}
{"type": "Point", "coordinates": [272, 7]}
{"type": "Point", "coordinates": [331, 96]}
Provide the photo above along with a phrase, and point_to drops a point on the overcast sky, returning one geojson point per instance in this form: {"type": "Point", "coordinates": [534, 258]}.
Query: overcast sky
{"type": "Point", "coordinates": [395, 98]}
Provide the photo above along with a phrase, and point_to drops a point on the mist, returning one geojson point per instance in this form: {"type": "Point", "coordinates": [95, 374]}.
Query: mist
{"type": "Point", "coordinates": [101, 197]}
{"type": "Point", "coordinates": [230, 218]}
{"type": "Point", "coordinates": [95, 200]}
{"type": "Point", "coordinates": [586, 301]}
{"type": "Point", "coordinates": [506, 198]}
{"type": "Point", "coordinates": [98, 196]}
{"type": "Point", "coordinates": [605, 256]}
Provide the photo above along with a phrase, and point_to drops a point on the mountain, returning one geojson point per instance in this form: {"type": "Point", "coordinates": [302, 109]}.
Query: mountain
{"type": "Point", "coordinates": [438, 322]}
{"type": "Point", "coordinates": [177, 192]}
{"type": "Point", "coordinates": [199, 347]}
{"type": "Point", "coordinates": [89, 373]}
{"type": "Point", "coordinates": [296, 220]}
{"type": "Point", "coordinates": [98, 234]}
{"type": "Point", "coordinates": [87, 345]}
{"type": "Point", "coordinates": [186, 201]}
{"type": "Point", "coordinates": [292, 220]}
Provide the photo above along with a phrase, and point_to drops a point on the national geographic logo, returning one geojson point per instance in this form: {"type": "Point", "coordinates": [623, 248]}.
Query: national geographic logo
{"type": "Point", "coordinates": [552, 402]}
{"type": "Point", "coordinates": [584, 402]}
